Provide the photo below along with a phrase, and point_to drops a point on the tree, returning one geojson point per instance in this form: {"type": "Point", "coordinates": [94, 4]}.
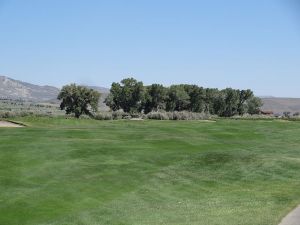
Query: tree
{"type": "Point", "coordinates": [211, 95]}
{"type": "Point", "coordinates": [178, 99]}
{"type": "Point", "coordinates": [219, 104]}
{"type": "Point", "coordinates": [78, 100]}
{"type": "Point", "coordinates": [231, 102]}
{"type": "Point", "coordinates": [225, 102]}
{"type": "Point", "coordinates": [131, 96]}
{"type": "Point", "coordinates": [127, 95]}
{"type": "Point", "coordinates": [197, 97]}
{"type": "Point", "coordinates": [154, 98]}
{"type": "Point", "coordinates": [113, 100]}
{"type": "Point", "coordinates": [253, 105]}
{"type": "Point", "coordinates": [287, 114]}
{"type": "Point", "coordinates": [296, 114]}
{"type": "Point", "coordinates": [244, 95]}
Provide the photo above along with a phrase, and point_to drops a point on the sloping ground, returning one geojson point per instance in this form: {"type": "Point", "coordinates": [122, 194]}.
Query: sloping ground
{"type": "Point", "coordinates": [280, 105]}
{"type": "Point", "coordinates": [19, 90]}
{"type": "Point", "coordinates": [14, 89]}
{"type": "Point", "coordinates": [9, 124]}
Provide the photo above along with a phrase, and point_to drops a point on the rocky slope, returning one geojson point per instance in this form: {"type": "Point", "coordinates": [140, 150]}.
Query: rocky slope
{"type": "Point", "coordinates": [14, 89]}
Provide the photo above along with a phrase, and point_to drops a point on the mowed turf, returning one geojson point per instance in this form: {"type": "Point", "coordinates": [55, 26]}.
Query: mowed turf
{"type": "Point", "coordinates": [86, 172]}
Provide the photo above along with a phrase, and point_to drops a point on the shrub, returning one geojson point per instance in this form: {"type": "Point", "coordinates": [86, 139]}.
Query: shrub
{"type": "Point", "coordinates": [296, 114]}
{"type": "Point", "coordinates": [182, 115]}
{"type": "Point", "coordinates": [287, 114]}
{"type": "Point", "coordinates": [117, 115]}
{"type": "Point", "coordinates": [103, 116]}
{"type": "Point", "coordinates": [253, 117]}
{"type": "Point", "coordinates": [157, 116]}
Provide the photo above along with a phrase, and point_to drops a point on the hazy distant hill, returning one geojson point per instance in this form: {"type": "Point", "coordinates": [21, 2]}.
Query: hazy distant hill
{"type": "Point", "coordinates": [102, 90]}
{"type": "Point", "coordinates": [14, 89]}
{"type": "Point", "coordinates": [280, 105]}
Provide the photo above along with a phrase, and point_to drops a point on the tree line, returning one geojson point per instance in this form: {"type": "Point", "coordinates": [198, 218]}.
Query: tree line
{"type": "Point", "coordinates": [132, 96]}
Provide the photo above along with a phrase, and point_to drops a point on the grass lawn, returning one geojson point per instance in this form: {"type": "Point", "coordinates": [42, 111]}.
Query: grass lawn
{"type": "Point", "coordinates": [86, 172]}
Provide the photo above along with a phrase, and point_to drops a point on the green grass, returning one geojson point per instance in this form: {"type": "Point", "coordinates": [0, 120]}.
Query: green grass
{"type": "Point", "coordinates": [86, 172]}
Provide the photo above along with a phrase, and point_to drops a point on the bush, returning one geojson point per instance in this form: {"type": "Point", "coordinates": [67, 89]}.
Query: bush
{"type": "Point", "coordinates": [296, 114]}
{"type": "Point", "coordinates": [254, 117]}
{"type": "Point", "coordinates": [157, 116]}
{"type": "Point", "coordinates": [103, 116]}
{"type": "Point", "coordinates": [116, 115]}
{"type": "Point", "coordinates": [10, 114]}
{"type": "Point", "coordinates": [182, 115]}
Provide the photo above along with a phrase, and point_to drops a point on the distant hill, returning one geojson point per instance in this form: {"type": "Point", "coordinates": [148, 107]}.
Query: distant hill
{"type": "Point", "coordinates": [280, 105]}
{"type": "Point", "coordinates": [14, 89]}
{"type": "Point", "coordinates": [102, 90]}
{"type": "Point", "coordinates": [19, 90]}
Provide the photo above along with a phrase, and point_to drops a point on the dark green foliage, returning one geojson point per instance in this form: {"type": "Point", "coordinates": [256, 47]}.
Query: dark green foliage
{"type": "Point", "coordinates": [178, 98]}
{"type": "Point", "coordinates": [253, 105]}
{"type": "Point", "coordinates": [131, 96]}
{"type": "Point", "coordinates": [231, 101]}
{"type": "Point", "coordinates": [244, 96]}
{"type": "Point", "coordinates": [78, 100]}
{"type": "Point", "coordinates": [126, 95]}
{"type": "Point", "coordinates": [155, 98]}
{"type": "Point", "coordinates": [196, 97]}
{"type": "Point", "coordinates": [211, 95]}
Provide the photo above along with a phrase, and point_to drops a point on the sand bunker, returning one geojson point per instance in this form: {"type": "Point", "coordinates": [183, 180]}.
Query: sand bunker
{"type": "Point", "coordinates": [9, 124]}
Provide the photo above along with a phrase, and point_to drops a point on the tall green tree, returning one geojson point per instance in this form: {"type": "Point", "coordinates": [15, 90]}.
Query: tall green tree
{"type": "Point", "coordinates": [219, 104]}
{"type": "Point", "coordinates": [113, 100]}
{"type": "Point", "coordinates": [78, 100]}
{"type": "Point", "coordinates": [127, 95]}
{"type": "Point", "coordinates": [178, 98]}
{"type": "Point", "coordinates": [244, 95]}
{"type": "Point", "coordinates": [253, 105]}
{"type": "Point", "coordinates": [211, 95]}
{"type": "Point", "coordinates": [131, 96]}
{"type": "Point", "coordinates": [196, 97]}
{"type": "Point", "coordinates": [231, 102]}
{"type": "Point", "coordinates": [154, 98]}
{"type": "Point", "coordinates": [226, 102]}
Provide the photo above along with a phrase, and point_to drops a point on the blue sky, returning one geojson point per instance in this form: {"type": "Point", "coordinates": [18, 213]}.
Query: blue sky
{"type": "Point", "coordinates": [214, 43]}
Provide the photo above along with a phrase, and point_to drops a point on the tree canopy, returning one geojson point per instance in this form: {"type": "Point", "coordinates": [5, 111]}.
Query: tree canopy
{"type": "Point", "coordinates": [131, 96]}
{"type": "Point", "coordinates": [126, 95]}
{"type": "Point", "coordinates": [78, 100]}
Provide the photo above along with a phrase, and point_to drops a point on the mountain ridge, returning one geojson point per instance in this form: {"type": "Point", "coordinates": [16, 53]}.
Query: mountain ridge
{"type": "Point", "coordinates": [20, 90]}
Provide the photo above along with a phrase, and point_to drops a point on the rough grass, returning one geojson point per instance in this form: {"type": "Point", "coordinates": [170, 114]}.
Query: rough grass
{"type": "Point", "coordinates": [86, 172]}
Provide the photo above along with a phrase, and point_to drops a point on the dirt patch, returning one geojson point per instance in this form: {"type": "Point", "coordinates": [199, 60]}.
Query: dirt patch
{"type": "Point", "coordinates": [9, 124]}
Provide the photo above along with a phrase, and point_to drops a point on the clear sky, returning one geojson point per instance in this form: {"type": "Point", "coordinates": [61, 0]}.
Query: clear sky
{"type": "Point", "coordinates": [214, 43]}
